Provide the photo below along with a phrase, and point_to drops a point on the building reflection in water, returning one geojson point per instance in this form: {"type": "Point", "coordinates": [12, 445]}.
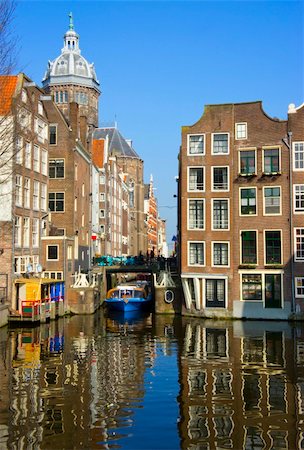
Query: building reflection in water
{"type": "Point", "coordinates": [82, 381]}
{"type": "Point", "coordinates": [237, 386]}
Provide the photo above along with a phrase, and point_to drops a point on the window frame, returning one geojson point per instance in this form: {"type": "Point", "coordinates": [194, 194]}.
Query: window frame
{"type": "Point", "coordinates": [298, 211]}
{"type": "Point", "coordinates": [295, 169]}
{"type": "Point", "coordinates": [298, 259]}
{"type": "Point", "coordinates": [55, 125]}
{"type": "Point", "coordinates": [188, 178]}
{"type": "Point", "coordinates": [301, 287]}
{"type": "Point", "coordinates": [264, 202]}
{"type": "Point", "coordinates": [242, 263]}
{"type": "Point", "coordinates": [26, 231]}
{"type": "Point", "coordinates": [27, 193]}
{"type": "Point", "coordinates": [212, 179]}
{"type": "Point", "coordinates": [212, 253]}
{"type": "Point", "coordinates": [212, 212]}
{"type": "Point", "coordinates": [228, 143]}
{"type": "Point", "coordinates": [188, 253]}
{"type": "Point", "coordinates": [19, 190]}
{"type": "Point", "coordinates": [36, 195]}
{"type": "Point", "coordinates": [47, 252]}
{"type": "Point", "coordinates": [240, 201]}
{"type": "Point", "coordinates": [35, 232]}
{"type": "Point", "coordinates": [54, 162]}
{"type": "Point", "coordinates": [248, 174]}
{"type": "Point", "coordinates": [188, 214]}
{"type": "Point", "coordinates": [236, 131]}
{"type": "Point", "coordinates": [265, 247]}
{"type": "Point", "coordinates": [272, 147]}
{"type": "Point", "coordinates": [55, 201]}
{"type": "Point", "coordinates": [36, 162]}
{"type": "Point", "coordinates": [263, 274]}
{"type": "Point", "coordinates": [188, 144]}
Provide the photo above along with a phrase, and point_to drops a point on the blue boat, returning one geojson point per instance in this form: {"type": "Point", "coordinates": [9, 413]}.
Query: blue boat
{"type": "Point", "coordinates": [128, 297]}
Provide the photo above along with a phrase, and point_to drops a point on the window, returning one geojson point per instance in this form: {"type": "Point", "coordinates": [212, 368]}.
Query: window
{"type": "Point", "coordinates": [215, 293]}
{"type": "Point", "coordinates": [249, 247]}
{"type": "Point", "coordinates": [43, 197]}
{"type": "Point", "coordinates": [273, 290]}
{"type": "Point", "coordinates": [76, 172]}
{"type": "Point", "coordinates": [195, 178]}
{"type": "Point", "coordinates": [24, 95]}
{"type": "Point", "coordinates": [70, 252]}
{"type": "Point", "coordinates": [298, 156]}
{"type": "Point", "coordinates": [251, 286]}
{"type": "Point", "coordinates": [35, 233]}
{"type": "Point", "coordinates": [102, 214]}
{"type": "Point", "coordinates": [61, 97]}
{"type": "Point", "coordinates": [82, 220]}
{"type": "Point", "coordinates": [27, 192]}
{"type": "Point", "coordinates": [220, 215]}
{"type": "Point", "coordinates": [102, 197]}
{"type": "Point", "coordinates": [220, 143]}
{"type": "Point", "coordinates": [52, 253]}
{"type": "Point", "coordinates": [19, 148]}
{"type": "Point", "coordinates": [36, 163]}
{"type": "Point", "coordinates": [56, 168]}
{"type": "Point", "coordinates": [196, 255]}
{"type": "Point", "coordinates": [53, 275]}
{"type": "Point", "coordinates": [18, 190]}
{"type": "Point", "coordinates": [272, 200]}
{"type": "Point", "coordinates": [273, 247]}
{"type": "Point", "coordinates": [299, 287]}
{"type": "Point", "coordinates": [53, 134]}
{"type": "Point", "coordinates": [36, 195]}
{"type": "Point", "coordinates": [241, 130]}
{"type": "Point", "coordinates": [56, 201]}
{"type": "Point", "coordinates": [40, 109]}
{"type": "Point", "coordinates": [196, 214]}
{"type": "Point", "coordinates": [82, 190]}
{"type": "Point", "coordinates": [298, 190]}
{"type": "Point", "coordinates": [41, 128]}
{"type": "Point", "coordinates": [220, 254]}
{"type": "Point", "coordinates": [44, 162]}
{"type": "Point", "coordinates": [248, 204]}
{"type": "Point", "coordinates": [75, 204]}
{"type": "Point", "coordinates": [28, 155]}
{"type": "Point", "coordinates": [81, 98]}
{"type": "Point", "coordinates": [271, 161]}
{"type": "Point", "coordinates": [220, 180]}
{"type": "Point", "coordinates": [247, 162]}
{"type": "Point", "coordinates": [102, 179]}
{"type": "Point", "coordinates": [196, 144]}
{"type": "Point", "coordinates": [17, 235]}
{"type": "Point", "coordinates": [26, 231]}
{"type": "Point", "coordinates": [299, 244]}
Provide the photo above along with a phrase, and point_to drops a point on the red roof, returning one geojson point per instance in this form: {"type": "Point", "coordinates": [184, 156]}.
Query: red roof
{"type": "Point", "coordinates": [7, 90]}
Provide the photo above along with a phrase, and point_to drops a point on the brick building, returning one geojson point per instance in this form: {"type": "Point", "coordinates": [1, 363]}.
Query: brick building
{"type": "Point", "coordinates": [23, 180]}
{"type": "Point", "coordinates": [235, 210]}
{"type": "Point", "coordinates": [151, 217]}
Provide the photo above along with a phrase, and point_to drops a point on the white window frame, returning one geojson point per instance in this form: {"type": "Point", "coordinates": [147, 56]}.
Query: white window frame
{"type": "Point", "coordinates": [263, 273]}
{"type": "Point", "coordinates": [44, 162]}
{"type": "Point", "coordinates": [35, 232]}
{"type": "Point", "coordinates": [19, 150]}
{"type": "Point", "coordinates": [212, 178]}
{"type": "Point", "coordinates": [43, 197]}
{"type": "Point", "coordinates": [102, 197]}
{"type": "Point", "coordinates": [272, 147]}
{"type": "Point", "coordinates": [26, 232]}
{"type": "Point", "coordinates": [36, 161]}
{"type": "Point", "coordinates": [102, 213]}
{"type": "Point", "coordinates": [188, 178]}
{"type": "Point", "coordinates": [18, 190]}
{"type": "Point", "coordinates": [294, 144]}
{"type": "Point", "coordinates": [297, 211]}
{"type": "Point", "coordinates": [47, 252]}
{"type": "Point", "coordinates": [56, 127]}
{"type": "Point", "coordinates": [27, 193]}
{"type": "Point", "coordinates": [240, 200]}
{"type": "Point", "coordinates": [228, 209]}
{"type": "Point", "coordinates": [36, 195]}
{"type": "Point", "coordinates": [257, 248]}
{"type": "Point", "coordinates": [212, 253]}
{"type": "Point", "coordinates": [301, 287]}
{"type": "Point", "coordinates": [204, 253]}
{"type": "Point", "coordinates": [188, 214]}
{"type": "Point", "coordinates": [48, 274]}
{"type": "Point", "coordinates": [296, 259]}
{"type": "Point", "coordinates": [188, 144]}
{"type": "Point", "coordinates": [28, 155]}
{"type": "Point", "coordinates": [237, 125]}
{"type": "Point", "coordinates": [17, 231]}
{"type": "Point", "coordinates": [24, 95]}
{"type": "Point", "coordinates": [264, 240]}
{"type": "Point", "coordinates": [250, 149]}
{"type": "Point", "coordinates": [212, 143]}
{"type": "Point", "coordinates": [264, 205]}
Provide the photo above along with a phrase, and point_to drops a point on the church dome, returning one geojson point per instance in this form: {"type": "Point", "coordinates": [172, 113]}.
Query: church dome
{"type": "Point", "coordinates": [71, 67]}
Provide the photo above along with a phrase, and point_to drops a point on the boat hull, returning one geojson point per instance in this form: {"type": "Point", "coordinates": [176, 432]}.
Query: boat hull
{"type": "Point", "coordinates": [128, 304]}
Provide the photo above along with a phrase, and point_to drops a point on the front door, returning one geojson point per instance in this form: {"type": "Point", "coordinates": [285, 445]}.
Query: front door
{"type": "Point", "coordinates": [273, 291]}
{"type": "Point", "coordinates": [215, 293]}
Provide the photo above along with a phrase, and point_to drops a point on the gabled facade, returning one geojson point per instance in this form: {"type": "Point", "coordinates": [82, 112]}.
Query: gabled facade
{"type": "Point", "coordinates": [151, 218]}
{"type": "Point", "coordinates": [234, 197]}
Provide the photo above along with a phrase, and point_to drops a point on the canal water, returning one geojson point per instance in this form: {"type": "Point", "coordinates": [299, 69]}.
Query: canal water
{"type": "Point", "coordinates": [152, 382]}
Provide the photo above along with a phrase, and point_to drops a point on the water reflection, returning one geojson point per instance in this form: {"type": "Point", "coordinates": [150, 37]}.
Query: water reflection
{"type": "Point", "coordinates": [146, 382]}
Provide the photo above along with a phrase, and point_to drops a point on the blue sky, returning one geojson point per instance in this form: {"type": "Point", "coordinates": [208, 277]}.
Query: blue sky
{"type": "Point", "coordinates": [160, 62]}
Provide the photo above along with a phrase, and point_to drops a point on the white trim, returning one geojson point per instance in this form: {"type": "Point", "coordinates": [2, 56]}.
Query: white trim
{"type": "Point", "coordinates": [188, 179]}
{"type": "Point", "coordinates": [264, 209]}
{"type": "Point", "coordinates": [249, 149]}
{"type": "Point", "coordinates": [214, 277]}
{"type": "Point", "coordinates": [294, 199]}
{"type": "Point", "coordinates": [271, 147]}
{"type": "Point", "coordinates": [295, 243]}
{"type": "Point", "coordinates": [293, 156]}
{"type": "Point", "coordinates": [236, 131]}
{"type": "Point", "coordinates": [228, 142]}
{"type": "Point", "coordinates": [188, 253]}
{"type": "Point", "coordinates": [264, 240]}
{"type": "Point", "coordinates": [204, 214]}
{"type": "Point", "coordinates": [240, 201]}
{"type": "Point", "coordinates": [212, 178]}
{"type": "Point", "coordinates": [188, 146]}
{"type": "Point", "coordinates": [47, 252]}
{"type": "Point", "coordinates": [228, 203]}
{"type": "Point", "coordinates": [64, 166]}
{"type": "Point", "coordinates": [257, 248]}
{"type": "Point", "coordinates": [298, 278]}
{"type": "Point", "coordinates": [212, 253]}
{"type": "Point", "coordinates": [262, 273]}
